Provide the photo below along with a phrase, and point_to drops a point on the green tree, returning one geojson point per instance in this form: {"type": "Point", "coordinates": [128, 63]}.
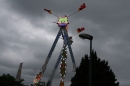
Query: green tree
{"type": "Point", "coordinates": [8, 80]}
{"type": "Point", "coordinates": [102, 75]}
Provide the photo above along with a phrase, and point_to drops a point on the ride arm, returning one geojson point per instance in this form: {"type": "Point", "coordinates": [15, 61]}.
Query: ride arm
{"type": "Point", "coordinates": [70, 49]}
{"type": "Point", "coordinates": [50, 53]}
{"type": "Point", "coordinates": [54, 70]}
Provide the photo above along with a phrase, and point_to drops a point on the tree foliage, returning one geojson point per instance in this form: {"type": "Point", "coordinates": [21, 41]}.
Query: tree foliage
{"type": "Point", "coordinates": [102, 75]}
{"type": "Point", "coordinates": [8, 80]}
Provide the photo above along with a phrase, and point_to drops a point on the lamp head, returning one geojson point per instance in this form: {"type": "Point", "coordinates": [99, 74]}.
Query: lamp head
{"type": "Point", "coordinates": [85, 36]}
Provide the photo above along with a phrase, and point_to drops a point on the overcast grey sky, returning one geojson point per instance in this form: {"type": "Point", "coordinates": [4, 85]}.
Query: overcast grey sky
{"type": "Point", "coordinates": [27, 33]}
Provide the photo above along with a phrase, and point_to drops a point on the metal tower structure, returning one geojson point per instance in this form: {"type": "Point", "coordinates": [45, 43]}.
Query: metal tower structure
{"type": "Point", "coordinates": [63, 31]}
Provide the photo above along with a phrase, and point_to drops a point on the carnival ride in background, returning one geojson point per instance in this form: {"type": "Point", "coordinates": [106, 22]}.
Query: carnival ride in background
{"type": "Point", "coordinates": [67, 41]}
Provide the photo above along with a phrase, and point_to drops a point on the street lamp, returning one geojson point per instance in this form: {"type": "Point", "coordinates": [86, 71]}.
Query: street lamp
{"type": "Point", "coordinates": [89, 37]}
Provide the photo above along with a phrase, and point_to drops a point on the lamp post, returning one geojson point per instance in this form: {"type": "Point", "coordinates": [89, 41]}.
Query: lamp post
{"type": "Point", "coordinates": [89, 37]}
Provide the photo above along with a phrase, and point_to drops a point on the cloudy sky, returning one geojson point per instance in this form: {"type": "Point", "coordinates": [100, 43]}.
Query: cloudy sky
{"type": "Point", "coordinates": [27, 33]}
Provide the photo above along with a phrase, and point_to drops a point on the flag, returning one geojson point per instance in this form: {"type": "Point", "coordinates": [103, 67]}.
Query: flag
{"type": "Point", "coordinates": [49, 11]}
{"type": "Point", "coordinates": [80, 29]}
{"type": "Point", "coordinates": [18, 76]}
{"type": "Point", "coordinates": [82, 7]}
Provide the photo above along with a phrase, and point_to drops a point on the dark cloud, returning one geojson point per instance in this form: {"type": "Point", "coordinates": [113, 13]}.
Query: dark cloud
{"type": "Point", "coordinates": [27, 33]}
